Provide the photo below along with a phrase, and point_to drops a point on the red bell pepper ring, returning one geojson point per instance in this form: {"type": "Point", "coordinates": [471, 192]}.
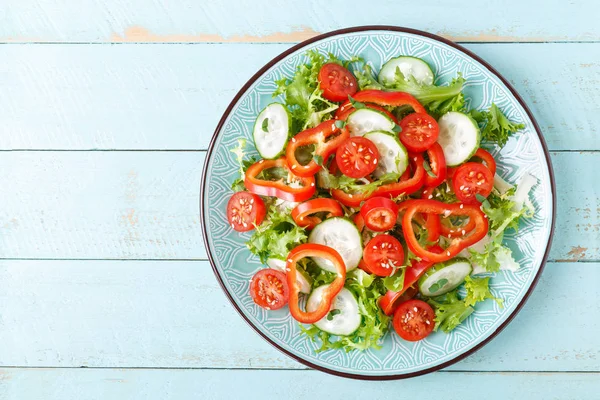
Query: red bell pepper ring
{"type": "Point", "coordinates": [408, 186]}
{"type": "Point", "coordinates": [278, 188]}
{"type": "Point", "coordinates": [487, 159]}
{"type": "Point", "coordinates": [346, 109]}
{"type": "Point", "coordinates": [313, 250]}
{"type": "Point", "coordinates": [437, 162]}
{"type": "Point", "coordinates": [437, 207]}
{"type": "Point", "coordinates": [394, 99]}
{"type": "Point", "coordinates": [302, 213]}
{"type": "Point", "coordinates": [323, 137]}
{"type": "Point", "coordinates": [441, 229]}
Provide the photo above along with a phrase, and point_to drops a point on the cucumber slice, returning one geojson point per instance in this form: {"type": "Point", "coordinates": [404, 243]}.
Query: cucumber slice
{"type": "Point", "coordinates": [444, 277]}
{"type": "Point", "coordinates": [341, 235]}
{"type": "Point", "coordinates": [344, 317]}
{"type": "Point", "coordinates": [271, 131]}
{"type": "Point", "coordinates": [392, 154]}
{"type": "Point", "coordinates": [409, 66]}
{"type": "Point", "coordinates": [367, 120]}
{"type": "Point", "coordinates": [459, 137]}
{"type": "Point", "coordinates": [303, 279]}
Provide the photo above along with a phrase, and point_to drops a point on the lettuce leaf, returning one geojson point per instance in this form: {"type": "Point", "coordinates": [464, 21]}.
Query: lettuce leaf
{"type": "Point", "coordinates": [327, 180]}
{"type": "Point", "coordinates": [367, 289]}
{"type": "Point", "coordinates": [239, 152]}
{"type": "Point", "coordinates": [276, 236]}
{"type": "Point", "coordinates": [395, 283]}
{"type": "Point", "coordinates": [478, 290]}
{"type": "Point", "coordinates": [303, 95]}
{"type": "Point", "coordinates": [497, 128]}
{"type": "Point", "coordinates": [450, 311]}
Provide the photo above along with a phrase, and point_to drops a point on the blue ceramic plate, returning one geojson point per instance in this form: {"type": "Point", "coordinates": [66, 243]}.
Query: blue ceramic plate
{"type": "Point", "coordinates": [526, 152]}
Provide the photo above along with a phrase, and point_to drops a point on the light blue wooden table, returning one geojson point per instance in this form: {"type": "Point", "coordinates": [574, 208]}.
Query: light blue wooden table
{"type": "Point", "coordinates": [106, 108]}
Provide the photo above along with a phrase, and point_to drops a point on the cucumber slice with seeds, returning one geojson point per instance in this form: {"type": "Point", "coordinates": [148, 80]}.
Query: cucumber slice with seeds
{"type": "Point", "coordinates": [409, 66]}
{"type": "Point", "coordinates": [341, 235]}
{"type": "Point", "coordinates": [393, 157]}
{"type": "Point", "coordinates": [271, 131]}
{"type": "Point", "coordinates": [344, 317]}
{"type": "Point", "coordinates": [444, 277]}
{"type": "Point", "coordinates": [459, 137]}
{"type": "Point", "coordinates": [366, 120]}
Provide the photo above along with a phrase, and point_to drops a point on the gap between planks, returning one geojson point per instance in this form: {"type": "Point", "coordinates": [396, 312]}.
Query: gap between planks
{"type": "Point", "coordinates": [442, 371]}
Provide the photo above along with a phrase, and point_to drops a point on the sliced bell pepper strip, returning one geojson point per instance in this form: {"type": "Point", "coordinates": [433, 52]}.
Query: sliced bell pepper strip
{"type": "Point", "coordinates": [278, 188]}
{"type": "Point", "coordinates": [394, 99]}
{"type": "Point", "coordinates": [408, 186]}
{"type": "Point", "coordinates": [323, 137]}
{"type": "Point", "coordinates": [433, 224]}
{"type": "Point", "coordinates": [313, 250]}
{"type": "Point", "coordinates": [487, 159]}
{"type": "Point", "coordinates": [359, 221]}
{"type": "Point", "coordinates": [349, 199]}
{"type": "Point", "coordinates": [437, 162]}
{"type": "Point", "coordinates": [302, 213]}
{"type": "Point", "coordinates": [346, 109]}
{"type": "Point", "coordinates": [437, 207]}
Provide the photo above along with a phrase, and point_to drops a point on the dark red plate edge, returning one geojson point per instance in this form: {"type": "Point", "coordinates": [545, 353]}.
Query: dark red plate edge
{"type": "Point", "coordinates": [392, 29]}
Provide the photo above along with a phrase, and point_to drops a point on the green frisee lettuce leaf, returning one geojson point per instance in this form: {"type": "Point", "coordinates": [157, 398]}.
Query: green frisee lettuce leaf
{"type": "Point", "coordinates": [450, 311]}
{"type": "Point", "coordinates": [276, 235]}
{"type": "Point", "coordinates": [497, 128]}
{"type": "Point", "coordinates": [478, 290]}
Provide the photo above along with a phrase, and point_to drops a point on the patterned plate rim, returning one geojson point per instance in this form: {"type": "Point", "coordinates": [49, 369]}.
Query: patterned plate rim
{"type": "Point", "coordinates": [341, 32]}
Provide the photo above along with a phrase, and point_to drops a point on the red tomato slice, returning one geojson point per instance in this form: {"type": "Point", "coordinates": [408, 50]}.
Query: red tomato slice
{"type": "Point", "coordinates": [379, 214]}
{"type": "Point", "coordinates": [357, 157]}
{"type": "Point", "coordinates": [245, 210]}
{"type": "Point", "coordinates": [337, 82]}
{"type": "Point", "coordinates": [269, 289]}
{"type": "Point", "coordinates": [414, 320]}
{"type": "Point", "coordinates": [471, 179]}
{"type": "Point", "coordinates": [383, 255]}
{"type": "Point", "coordinates": [419, 132]}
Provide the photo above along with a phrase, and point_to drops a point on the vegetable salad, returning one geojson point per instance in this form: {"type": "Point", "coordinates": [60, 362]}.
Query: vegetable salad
{"type": "Point", "coordinates": [373, 200]}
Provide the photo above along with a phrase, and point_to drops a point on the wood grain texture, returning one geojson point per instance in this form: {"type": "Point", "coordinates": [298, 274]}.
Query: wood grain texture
{"type": "Point", "coordinates": [172, 96]}
{"type": "Point", "coordinates": [139, 205]}
{"type": "Point", "coordinates": [160, 21]}
{"type": "Point", "coordinates": [174, 314]}
{"type": "Point", "coordinates": [101, 384]}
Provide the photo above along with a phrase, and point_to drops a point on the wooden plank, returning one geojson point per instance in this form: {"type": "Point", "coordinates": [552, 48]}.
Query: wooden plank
{"type": "Point", "coordinates": [132, 205]}
{"type": "Point", "coordinates": [101, 384]}
{"type": "Point", "coordinates": [171, 97]}
{"type": "Point", "coordinates": [174, 314]}
{"type": "Point", "coordinates": [284, 21]}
